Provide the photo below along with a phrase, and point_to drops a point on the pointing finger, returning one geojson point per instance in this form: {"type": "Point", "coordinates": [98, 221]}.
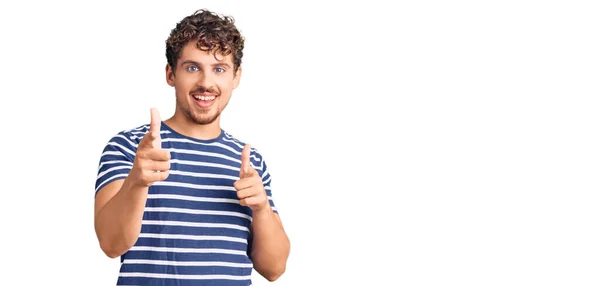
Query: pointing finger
{"type": "Point", "coordinates": [245, 168]}
{"type": "Point", "coordinates": [155, 128]}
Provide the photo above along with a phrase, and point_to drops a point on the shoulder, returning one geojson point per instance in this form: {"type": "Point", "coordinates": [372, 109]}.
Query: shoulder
{"type": "Point", "coordinates": [127, 140]}
{"type": "Point", "coordinates": [238, 144]}
{"type": "Point", "coordinates": [135, 134]}
{"type": "Point", "coordinates": [131, 135]}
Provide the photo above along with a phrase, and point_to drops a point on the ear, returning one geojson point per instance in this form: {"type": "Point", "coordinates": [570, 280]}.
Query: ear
{"type": "Point", "coordinates": [170, 75]}
{"type": "Point", "coordinates": [236, 79]}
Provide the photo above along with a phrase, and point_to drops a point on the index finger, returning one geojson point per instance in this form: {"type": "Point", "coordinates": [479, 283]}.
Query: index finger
{"type": "Point", "coordinates": [155, 127]}
{"type": "Point", "coordinates": [154, 120]}
{"type": "Point", "coordinates": [245, 168]}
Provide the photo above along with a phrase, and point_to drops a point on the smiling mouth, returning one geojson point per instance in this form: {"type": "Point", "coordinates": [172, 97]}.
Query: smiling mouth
{"type": "Point", "coordinates": [204, 97]}
{"type": "Point", "coordinates": [204, 101]}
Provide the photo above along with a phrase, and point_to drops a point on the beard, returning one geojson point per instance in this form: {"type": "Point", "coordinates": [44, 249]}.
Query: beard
{"type": "Point", "coordinates": [201, 117]}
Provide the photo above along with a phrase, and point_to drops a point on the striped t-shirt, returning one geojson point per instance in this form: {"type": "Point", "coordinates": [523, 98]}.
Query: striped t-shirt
{"type": "Point", "coordinates": [194, 231]}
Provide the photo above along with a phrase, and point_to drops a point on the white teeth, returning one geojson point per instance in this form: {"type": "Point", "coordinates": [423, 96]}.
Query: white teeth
{"type": "Point", "coordinates": [201, 97]}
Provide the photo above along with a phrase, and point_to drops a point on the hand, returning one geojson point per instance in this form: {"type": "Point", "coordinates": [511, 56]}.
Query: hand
{"type": "Point", "coordinates": [250, 188]}
{"type": "Point", "coordinates": [151, 162]}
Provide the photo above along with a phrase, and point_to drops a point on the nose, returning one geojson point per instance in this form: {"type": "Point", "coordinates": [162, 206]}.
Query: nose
{"type": "Point", "coordinates": [205, 80]}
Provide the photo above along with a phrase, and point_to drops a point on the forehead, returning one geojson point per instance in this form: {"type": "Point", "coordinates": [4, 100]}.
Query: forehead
{"type": "Point", "coordinates": [191, 52]}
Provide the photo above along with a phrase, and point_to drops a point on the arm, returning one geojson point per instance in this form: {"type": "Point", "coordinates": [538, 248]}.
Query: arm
{"type": "Point", "coordinates": [120, 203]}
{"type": "Point", "coordinates": [119, 208]}
{"type": "Point", "coordinates": [270, 244]}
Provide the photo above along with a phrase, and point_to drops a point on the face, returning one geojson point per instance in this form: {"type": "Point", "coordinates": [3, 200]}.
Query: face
{"type": "Point", "coordinates": [203, 84]}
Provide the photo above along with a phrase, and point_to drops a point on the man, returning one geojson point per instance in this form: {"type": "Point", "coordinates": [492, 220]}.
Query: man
{"type": "Point", "coordinates": [181, 201]}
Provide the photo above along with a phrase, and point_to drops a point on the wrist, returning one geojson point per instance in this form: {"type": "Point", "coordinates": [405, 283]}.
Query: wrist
{"type": "Point", "coordinates": [133, 185]}
{"type": "Point", "coordinates": [262, 211]}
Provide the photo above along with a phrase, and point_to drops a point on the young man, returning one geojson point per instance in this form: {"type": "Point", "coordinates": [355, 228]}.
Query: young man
{"type": "Point", "coordinates": [181, 201]}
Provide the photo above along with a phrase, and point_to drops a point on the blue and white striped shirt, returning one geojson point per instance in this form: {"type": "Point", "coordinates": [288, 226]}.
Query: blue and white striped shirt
{"type": "Point", "coordinates": [194, 230]}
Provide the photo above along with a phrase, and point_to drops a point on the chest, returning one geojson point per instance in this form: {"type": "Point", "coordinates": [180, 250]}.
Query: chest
{"type": "Point", "coordinates": [200, 182]}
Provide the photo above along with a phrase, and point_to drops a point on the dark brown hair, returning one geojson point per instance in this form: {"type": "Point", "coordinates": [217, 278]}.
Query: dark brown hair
{"type": "Point", "coordinates": [211, 32]}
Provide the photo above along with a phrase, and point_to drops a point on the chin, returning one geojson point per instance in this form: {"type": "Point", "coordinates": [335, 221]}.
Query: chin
{"type": "Point", "coordinates": [198, 115]}
{"type": "Point", "coordinates": [204, 119]}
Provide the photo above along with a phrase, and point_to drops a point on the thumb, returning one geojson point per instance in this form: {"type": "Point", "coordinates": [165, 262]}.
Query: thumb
{"type": "Point", "coordinates": [154, 132]}
{"type": "Point", "coordinates": [245, 169]}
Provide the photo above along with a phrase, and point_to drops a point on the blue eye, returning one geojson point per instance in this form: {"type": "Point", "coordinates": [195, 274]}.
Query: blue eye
{"type": "Point", "coordinates": [192, 68]}
{"type": "Point", "coordinates": [220, 70]}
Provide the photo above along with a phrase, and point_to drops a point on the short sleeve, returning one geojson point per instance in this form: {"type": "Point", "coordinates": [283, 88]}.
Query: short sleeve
{"type": "Point", "coordinates": [266, 179]}
{"type": "Point", "coordinates": [116, 160]}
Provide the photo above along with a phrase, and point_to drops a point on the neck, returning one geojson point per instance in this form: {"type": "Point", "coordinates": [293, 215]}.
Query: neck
{"type": "Point", "coordinates": [183, 125]}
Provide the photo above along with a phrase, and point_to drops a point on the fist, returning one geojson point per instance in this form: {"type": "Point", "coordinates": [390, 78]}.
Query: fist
{"type": "Point", "coordinates": [151, 162]}
{"type": "Point", "coordinates": [250, 188]}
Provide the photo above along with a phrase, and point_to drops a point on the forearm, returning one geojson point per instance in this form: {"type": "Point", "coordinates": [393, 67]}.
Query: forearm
{"type": "Point", "coordinates": [118, 223]}
{"type": "Point", "coordinates": [270, 244]}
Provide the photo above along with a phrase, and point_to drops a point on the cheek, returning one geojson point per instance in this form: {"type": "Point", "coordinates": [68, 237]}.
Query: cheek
{"type": "Point", "coordinates": [225, 85]}
{"type": "Point", "coordinates": [184, 83]}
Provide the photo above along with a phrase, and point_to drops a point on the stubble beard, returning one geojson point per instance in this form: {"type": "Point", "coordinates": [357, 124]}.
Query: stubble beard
{"type": "Point", "coordinates": [201, 118]}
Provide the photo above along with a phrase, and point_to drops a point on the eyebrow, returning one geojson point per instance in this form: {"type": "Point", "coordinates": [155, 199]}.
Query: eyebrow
{"type": "Point", "coordinates": [198, 64]}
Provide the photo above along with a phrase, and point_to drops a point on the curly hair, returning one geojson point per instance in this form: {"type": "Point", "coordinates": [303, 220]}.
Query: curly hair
{"type": "Point", "coordinates": [212, 32]}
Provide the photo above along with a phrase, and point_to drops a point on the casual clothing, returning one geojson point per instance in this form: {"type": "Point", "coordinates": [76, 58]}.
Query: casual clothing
{"type": "Point", "coordinates": [194, 230]}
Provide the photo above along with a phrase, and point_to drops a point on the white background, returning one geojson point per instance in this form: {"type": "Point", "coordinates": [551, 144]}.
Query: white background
{"type": "Point", "coordinates": [438, 143]}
